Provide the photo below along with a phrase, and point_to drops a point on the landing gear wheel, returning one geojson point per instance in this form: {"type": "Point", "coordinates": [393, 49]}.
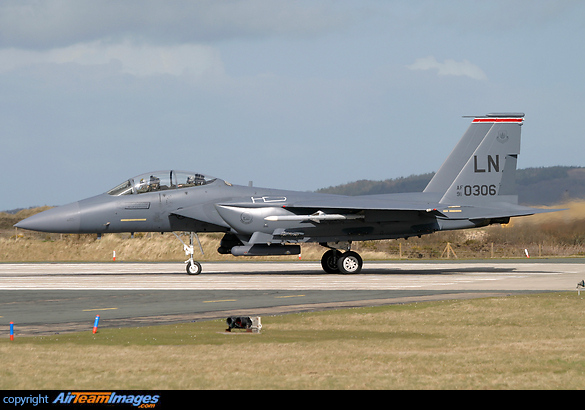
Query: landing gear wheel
{"type": "Point", "coordinates": [350, 262]}
{"type": "Point", "coordinates": [193, 267]}
{"type": "Point", "coordinates": [329, 261]}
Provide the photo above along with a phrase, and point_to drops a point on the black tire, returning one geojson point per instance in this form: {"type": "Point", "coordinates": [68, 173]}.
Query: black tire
{"type": "Point", "coordinates": [350, 262]}
{"type": "Point", "coordinates": [193, 268]}
{"type": "Point", "coordinates": [329, 261]}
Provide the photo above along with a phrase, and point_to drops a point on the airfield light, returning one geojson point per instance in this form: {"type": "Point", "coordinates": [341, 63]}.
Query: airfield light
{"type": "Point", "coordinates": [250, 324]}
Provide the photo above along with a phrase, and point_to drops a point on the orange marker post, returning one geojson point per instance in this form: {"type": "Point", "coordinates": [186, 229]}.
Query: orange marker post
{"type": "Point", "coordinates": [95, 324]}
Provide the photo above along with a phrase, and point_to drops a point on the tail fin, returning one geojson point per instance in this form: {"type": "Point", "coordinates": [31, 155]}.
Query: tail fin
{"type": "Point", "coordinates": [482, 167]}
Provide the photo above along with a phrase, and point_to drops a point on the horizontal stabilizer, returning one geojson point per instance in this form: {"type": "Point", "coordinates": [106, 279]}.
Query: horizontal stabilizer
{"type": "Point", "coordinates": [503, 210]}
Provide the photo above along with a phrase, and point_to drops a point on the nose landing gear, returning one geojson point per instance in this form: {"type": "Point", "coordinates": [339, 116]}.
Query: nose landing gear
{"type": "Point", "coordinates": [193, 267]}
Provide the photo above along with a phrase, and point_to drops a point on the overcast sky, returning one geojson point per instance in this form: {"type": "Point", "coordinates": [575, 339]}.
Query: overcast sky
{"type": "Point", "coordinates": [288, 94]}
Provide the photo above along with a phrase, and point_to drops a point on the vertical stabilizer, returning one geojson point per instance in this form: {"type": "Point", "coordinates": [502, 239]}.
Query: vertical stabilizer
{"type": "Point", "coordinates": [444, 177]}
{"type": "Point", "coordinates": [489, 171]}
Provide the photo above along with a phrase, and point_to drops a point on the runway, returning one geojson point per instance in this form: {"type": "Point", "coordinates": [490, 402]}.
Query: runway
{"type": "Point", "coordinates": [57, 297]}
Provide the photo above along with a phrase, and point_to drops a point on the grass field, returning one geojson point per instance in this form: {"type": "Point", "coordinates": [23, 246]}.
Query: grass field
{"type": "Point", "coordinates": [516, 342]}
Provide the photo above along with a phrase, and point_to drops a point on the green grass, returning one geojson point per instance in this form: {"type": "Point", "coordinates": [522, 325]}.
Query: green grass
{"type": "Point", "coordinates": [518, 342]}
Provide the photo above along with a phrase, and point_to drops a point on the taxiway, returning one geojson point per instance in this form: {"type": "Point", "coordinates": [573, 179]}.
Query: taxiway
{"type": "Point", "coordinates": [43, 298]}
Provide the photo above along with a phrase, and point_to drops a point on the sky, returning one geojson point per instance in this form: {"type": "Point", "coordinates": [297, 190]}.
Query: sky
{"type": "Point", "coordinates": [298, 95]}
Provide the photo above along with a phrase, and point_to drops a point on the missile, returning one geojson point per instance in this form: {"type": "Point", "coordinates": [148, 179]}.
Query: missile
{"type": "Point", "coordinates": [316, 217]}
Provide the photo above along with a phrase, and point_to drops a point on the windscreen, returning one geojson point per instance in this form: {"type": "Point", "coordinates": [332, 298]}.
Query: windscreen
{"type": "Point", "coordinates": [160, 181]}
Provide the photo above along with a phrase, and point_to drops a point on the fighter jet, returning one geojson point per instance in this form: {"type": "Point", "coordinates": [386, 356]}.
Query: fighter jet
{"type": "Point", "coordinates": [474, 187]}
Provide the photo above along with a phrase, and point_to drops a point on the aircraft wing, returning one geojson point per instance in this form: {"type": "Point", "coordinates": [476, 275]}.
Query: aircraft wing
{"type": "Point", "coordinates": [342, 203]}
{"type": "Point", "coordinates": [414, 202]}
{"type": "Point", "coordinates": [357, 204]}
{"type": "Point", "coordinates": [338, 207]}
{"type": "Point", "coordinates": [360, 203]}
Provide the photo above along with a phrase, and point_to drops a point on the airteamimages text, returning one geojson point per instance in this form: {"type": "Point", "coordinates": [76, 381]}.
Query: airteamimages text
{"type": "Point", "coordinates": [138, 400]}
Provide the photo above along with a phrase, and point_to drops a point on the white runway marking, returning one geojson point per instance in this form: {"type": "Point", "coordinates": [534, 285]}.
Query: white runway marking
{"type": "Point", "coordinates": [474, 275]}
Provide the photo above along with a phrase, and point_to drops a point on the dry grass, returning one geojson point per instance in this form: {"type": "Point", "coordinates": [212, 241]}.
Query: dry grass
{"type": "Point", "coordinates": [559, 234]}
{"type": "Point", "coordinates": [521, 342]}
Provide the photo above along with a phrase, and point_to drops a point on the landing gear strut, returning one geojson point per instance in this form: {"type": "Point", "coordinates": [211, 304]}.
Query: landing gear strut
{"type": "Point", "coordinates": [193, 267]}
{"type": "Point", "coordinates": [336, 261]}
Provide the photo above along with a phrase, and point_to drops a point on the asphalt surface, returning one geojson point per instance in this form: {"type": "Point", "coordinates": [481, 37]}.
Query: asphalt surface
{"type": "Point", "coordinates": [55, 298]}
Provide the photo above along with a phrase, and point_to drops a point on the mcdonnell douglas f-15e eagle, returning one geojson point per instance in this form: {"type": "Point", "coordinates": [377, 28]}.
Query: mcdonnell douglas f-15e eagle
{"type": "Point", "coordinates": [474, 187]}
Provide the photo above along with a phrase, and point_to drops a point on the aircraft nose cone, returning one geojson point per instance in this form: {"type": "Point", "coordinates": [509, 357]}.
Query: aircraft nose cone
{"type": "Point", "coordinates": [63, 219]}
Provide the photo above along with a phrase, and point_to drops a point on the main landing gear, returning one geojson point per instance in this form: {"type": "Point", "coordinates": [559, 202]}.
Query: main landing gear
{"type": "Point", "coordinates": [336, 261]}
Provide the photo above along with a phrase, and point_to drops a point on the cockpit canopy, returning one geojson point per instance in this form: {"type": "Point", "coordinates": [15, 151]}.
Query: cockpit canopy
{"type": "Point", "coordinates": [160, 181]}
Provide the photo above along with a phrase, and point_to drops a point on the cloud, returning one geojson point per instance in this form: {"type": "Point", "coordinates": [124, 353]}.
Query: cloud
{"type": "Point", "coordinates": [140, 60]}
{"type": "Point", "coordinates": [449, 67]}
{"type": "Point", "coordinates": [50, 24]}
{"type": "Point", "coordinates": [146, 37]}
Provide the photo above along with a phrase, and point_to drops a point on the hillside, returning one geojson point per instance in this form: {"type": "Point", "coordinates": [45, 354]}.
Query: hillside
{"type": "Point", "coordinates": [536, 186]}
